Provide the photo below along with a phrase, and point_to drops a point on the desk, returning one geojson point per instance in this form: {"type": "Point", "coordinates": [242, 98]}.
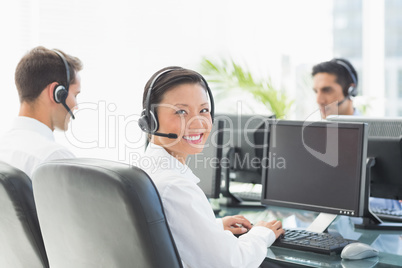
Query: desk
{"type": "Point", "coordinates": [389, 243]}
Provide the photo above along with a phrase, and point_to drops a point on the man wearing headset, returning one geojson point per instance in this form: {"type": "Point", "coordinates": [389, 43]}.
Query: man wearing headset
{"type": "Point", "coordinates": [334, 83]}
{"type": "Point", "coordinates": [48, 83]}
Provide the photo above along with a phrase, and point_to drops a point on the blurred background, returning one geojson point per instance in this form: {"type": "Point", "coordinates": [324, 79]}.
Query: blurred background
{"type": "Point", "coordinates": [123, 42]}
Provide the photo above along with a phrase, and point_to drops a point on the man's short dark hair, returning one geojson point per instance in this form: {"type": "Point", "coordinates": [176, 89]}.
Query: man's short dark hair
{"type": "Point", "coordinates": [41, 67]}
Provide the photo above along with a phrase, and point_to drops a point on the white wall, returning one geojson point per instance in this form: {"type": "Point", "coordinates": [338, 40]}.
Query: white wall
{"type": "Point", "coordinates": [123, 42]}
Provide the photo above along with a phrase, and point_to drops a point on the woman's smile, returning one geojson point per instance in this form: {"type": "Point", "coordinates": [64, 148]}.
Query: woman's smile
{"type": "Point", "coordinates": [193, 138]}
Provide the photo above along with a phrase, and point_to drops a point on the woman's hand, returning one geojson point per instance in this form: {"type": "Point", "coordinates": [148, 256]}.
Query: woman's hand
{"type": "Point", "coordinates": [275, 226]}
{"type": "Point", "coordinates": [236, 224]}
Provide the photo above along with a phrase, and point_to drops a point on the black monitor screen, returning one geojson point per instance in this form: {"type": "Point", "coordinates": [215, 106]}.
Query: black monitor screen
{"type": "Point", "coordinates": [385, 146]}
{"type": "Point", "coordinates": [315, 166]}
{"type": "Point", "coordinates": [386, 174]}
{"type": "Point", "coordinates": [243, 143]}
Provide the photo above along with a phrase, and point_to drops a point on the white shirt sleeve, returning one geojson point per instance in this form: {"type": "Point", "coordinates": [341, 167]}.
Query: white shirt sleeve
{"type": "Point", "coordinates": [200, 240]}
{"type": "Point", "coordinates": [219, 222]}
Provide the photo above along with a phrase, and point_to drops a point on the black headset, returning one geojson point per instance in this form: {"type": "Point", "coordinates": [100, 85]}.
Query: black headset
{"type": "Point", "coordinates": [60, 92]}
{"type": "Point", "coordinates": [148, 122]}
{"type": "Point", "coordinates": [352, 90]}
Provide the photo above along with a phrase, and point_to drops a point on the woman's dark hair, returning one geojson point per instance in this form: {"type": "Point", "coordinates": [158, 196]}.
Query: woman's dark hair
{"type": "Point", "coordinates": [168, 80]}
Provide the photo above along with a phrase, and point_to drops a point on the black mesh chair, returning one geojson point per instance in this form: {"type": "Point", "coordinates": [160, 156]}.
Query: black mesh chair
{"type": "Point", "coordinates": [97, 213]}
{"type": "Point", "coordinates": [21, 243]}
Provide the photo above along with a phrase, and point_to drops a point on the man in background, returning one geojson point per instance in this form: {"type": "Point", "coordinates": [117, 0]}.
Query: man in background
{"type": "Point", "coordinates": [334, 83]}
{"type": "Point", "coordinates": [48, 83]}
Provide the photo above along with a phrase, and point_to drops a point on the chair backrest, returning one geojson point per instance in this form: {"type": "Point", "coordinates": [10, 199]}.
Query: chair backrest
{"type": "Point", "coordinates": [98, 213]}
{"type": "Point", "coordinates": [21, 243]}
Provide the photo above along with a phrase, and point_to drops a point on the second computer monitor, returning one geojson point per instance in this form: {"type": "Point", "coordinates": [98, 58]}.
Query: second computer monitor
{"type": "Point", "coordinates": [316, 166]}
{"type": "Point", "coordinates": [243, 144]}
{"type": "Point", "coordinates": [385, 146]}
{"type": "Point", "coordinates": [233, 152]}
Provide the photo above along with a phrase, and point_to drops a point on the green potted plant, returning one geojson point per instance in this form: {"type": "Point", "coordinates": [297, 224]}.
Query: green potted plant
{"type": "Point", "coordinates": [227, 76]}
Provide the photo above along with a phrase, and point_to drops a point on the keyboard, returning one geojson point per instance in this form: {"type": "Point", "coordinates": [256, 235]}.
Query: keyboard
{"type": "Point", "coordinates": [246, 191]}
{"type": "Point", "coordinates": [388, 214]}
{"type": "Point", "coordinates": [323, 243]}
{"type": "Point", "coordinates": [249, 196]}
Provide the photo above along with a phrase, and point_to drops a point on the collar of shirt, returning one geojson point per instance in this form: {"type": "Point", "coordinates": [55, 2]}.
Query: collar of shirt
{"type": "Point", "coordinates": [161, 161]}
{"type": "Point", "coordinates": [356, 111]}
{"type": "Point", "coordinates": [28, 123]}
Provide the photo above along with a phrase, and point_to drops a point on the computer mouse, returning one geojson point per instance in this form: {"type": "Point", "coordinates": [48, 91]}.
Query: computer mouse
{"type": "Point", "coordinates": [358, 251]}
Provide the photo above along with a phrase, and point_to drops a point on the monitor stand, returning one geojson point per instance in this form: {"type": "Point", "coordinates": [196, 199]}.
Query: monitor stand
{"type": "Point", "coordinates": [370, 220]}
{"type": "Point", "coordinates": [321, 223]}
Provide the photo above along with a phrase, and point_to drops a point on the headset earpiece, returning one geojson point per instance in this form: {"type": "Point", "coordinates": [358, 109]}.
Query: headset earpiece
{"type": "Point", "coordinates": [352, 90]}
{"type": "Point", "coordinates": [60, 94]}
{"type": "Point", "coordinates": [143, 122]}
{"type": "Point", "coordinates": [148, 125]}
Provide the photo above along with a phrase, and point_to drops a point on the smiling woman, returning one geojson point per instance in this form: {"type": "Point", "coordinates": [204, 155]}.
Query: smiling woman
{"type": "Point", "coordinates": [180, 108]}
{"type": "Point", "coordinates": [178, 115]}
{"type": "Point", "coordinates": [190, 119]}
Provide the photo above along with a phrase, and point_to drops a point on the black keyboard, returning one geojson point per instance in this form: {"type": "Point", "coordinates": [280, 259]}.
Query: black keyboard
{"type": "Point", "coordinates": [323, 243]}
{"type": "Point", "coordinates": [388, 214]}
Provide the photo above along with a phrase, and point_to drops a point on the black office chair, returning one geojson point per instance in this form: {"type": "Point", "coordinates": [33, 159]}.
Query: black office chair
{"type": "Point", "coordinates": [21, 243]}
{"type": "Point", "coordinates": [97, 213]}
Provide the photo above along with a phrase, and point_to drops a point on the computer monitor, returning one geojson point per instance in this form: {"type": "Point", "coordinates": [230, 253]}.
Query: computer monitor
{"type": "Point", "coordinates": [207, 164]}
{"type": "Point", "coordinates": [385, 146]}
{"type": "Point", "coordinates": [243, 141]}
{"type": "Point", "coordinates": [320, 166]}
{"type": "Point", "coordinates": [316, 166]}
{"type": "Point", "coordinates": [386, 174]}
{"type": "Point", "coordinates": [229, 133]}
{"type": "Point", "coordinates": [231, 155]}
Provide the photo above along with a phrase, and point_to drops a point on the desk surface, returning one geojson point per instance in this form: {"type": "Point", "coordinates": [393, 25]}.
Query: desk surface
{"type": "Point", "coordinates": [389, 243]}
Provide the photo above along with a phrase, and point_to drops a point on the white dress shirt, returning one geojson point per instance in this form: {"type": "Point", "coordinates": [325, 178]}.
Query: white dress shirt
{"type": "Point", "coordinates": [29, 143]}
{"type": "Point", "coordinates": [200, 238]}
{"type": "Point", "coordinates": [356, 112]}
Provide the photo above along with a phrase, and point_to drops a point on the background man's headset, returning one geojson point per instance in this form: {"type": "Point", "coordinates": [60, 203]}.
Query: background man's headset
{"type": "Point", "coordinates": [352, 90]}
{"type": "Point", "coordinates": [148, 121]}
{"type": "Point", "coordinates": [60, 92]}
